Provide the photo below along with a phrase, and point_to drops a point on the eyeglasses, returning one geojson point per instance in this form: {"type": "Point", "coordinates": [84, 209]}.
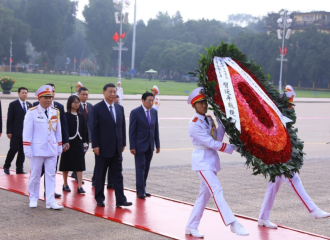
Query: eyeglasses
{"type": "Point", "coordinates": [76, 103]}
{"type": "Point", "coordinates": [150, 101]}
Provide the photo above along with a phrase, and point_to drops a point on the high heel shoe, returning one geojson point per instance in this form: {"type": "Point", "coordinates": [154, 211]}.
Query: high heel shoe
{"type": "Point", "coordinates": [66, 188]}
{"type": "Point", "coordinates": [80, 190]}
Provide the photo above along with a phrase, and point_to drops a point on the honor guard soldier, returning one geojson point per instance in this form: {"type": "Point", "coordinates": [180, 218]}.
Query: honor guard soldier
{"type": "Point", "coordinates": [207, 141]}
{"type": "Point", "coordinates": [155, 92]}
{"type": "Point", "coordinates": [79, 85]}
{"type": "Point", "coordinates": [120, 92]}
{"type": "Point", "coordinates": [42, 142]}
{"type": "Point", "coordinates": [294, 183]}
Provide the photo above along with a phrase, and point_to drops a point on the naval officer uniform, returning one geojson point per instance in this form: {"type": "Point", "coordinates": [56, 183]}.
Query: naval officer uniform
{"type": "Point", "coordinates": [42, 142]}
{"type": "Point", "coordinates": [207, 141]}
{"type": "Point", "coordinates": [294, 183]}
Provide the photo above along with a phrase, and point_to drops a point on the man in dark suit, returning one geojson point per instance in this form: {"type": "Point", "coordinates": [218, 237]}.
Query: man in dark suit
{"type": "Point", "coordinates": [108, 142]}
{"type": "Point", "coordinates": [87, 109]}
{"type": "Point", "coordinates": [15, 118]}
{"type": "Point", "coordinates": [143, 135]}
{"type": "Point", "coordinates": [64, 128]}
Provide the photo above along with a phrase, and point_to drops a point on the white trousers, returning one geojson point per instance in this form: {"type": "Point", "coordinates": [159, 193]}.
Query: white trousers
{"type": "Point", "coordinates": [272, 189]}
{"type": "Point", "coordinates": [34, 183]}
{"type": "Point", "coordinates": [210, 187]}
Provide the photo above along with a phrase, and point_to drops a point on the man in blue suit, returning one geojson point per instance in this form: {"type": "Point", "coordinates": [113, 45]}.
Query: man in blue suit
{"type": "Point", "coordinates": [143, 136]}
{"type": "Point", "coordinates": [108, 143]}
{"type": "Point", "coordinates": [64, 127]}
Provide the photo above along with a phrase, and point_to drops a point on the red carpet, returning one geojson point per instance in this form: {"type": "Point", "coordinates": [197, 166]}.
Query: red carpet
{"type": "Point", "coordinates": [156, 214]}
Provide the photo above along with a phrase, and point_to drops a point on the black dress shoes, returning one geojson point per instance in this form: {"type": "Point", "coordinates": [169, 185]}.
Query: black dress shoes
{"type": "Point", "coordinates": [125, 204]}
{"type": "Point", "coordinates": [66, 188]}
{"type": "Point", "coordinates": [100, 204]}
{"type": "Point", "coordinates": [148, 194]}
{"type": "Point", "coordinates": [110, 186]}
{"type": "Point", "coordinates": [21, 171]}
{"type": "Point", "coordinates": [80, 190]}
{"type": "Point", "coordinates": [6, 171]}
{"type": "Point", "coordinates": [141, 196]}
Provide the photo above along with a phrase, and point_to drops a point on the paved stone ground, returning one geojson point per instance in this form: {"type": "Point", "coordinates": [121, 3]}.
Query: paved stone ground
{"type": "Point", "coordinates": [243, 192]}
{"type": "Point", "coordinates": [18, 221]}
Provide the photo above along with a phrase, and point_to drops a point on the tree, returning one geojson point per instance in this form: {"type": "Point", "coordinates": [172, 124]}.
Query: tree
{"type": "Point", "coordinates": [52, 22]}
{"type": "Point", "coordinates": [15, 29]}
{"type": "Point", "coordinates": [101, 26]}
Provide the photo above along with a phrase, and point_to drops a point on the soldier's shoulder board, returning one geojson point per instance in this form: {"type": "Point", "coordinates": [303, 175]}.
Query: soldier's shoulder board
{"type": "Point", "coordinates": [54, 107]}
{"type": "Point", "coordinates": [30, 109]}
{"type": "Point", "coordinates": [195, 119]}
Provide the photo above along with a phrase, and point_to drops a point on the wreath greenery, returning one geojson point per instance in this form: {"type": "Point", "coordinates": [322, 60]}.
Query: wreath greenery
{"type": "Point", "coordinates": [285, 168]}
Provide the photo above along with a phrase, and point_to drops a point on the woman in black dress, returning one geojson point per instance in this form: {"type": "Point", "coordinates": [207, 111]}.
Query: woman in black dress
{"type": "Point", "coordinates": [74, 158]}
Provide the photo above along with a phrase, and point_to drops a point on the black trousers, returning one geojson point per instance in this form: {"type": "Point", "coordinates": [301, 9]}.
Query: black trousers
{"type": "Point", "coordinates": [142, 166]}
{"type": "Point", "coordinates": [16, 145]}
{"type": "Point", "coordinates": [115, 168]}
{"type": "Point", "coordinates": [93, 177]}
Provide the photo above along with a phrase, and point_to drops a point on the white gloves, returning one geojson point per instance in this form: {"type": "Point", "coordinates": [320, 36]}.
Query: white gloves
{"type": "Point", "coordinates": [230, 148]}
{"type": "Point", "coordinates": [28, 155]}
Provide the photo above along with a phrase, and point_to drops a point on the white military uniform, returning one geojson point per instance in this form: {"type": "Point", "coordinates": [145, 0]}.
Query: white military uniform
{"type": "Point", "coordinates": [156, 100]}
{"type": "Point", "coordinates": [120, 93]}
{"type": "Point", "coordinates": [206, 162]}
{"type": "Point", "coordinates": [42, 141]}
{"type": "Point", "coordinates": [79, 84]}
{"type": "Point", "coordinates": [294, 182]}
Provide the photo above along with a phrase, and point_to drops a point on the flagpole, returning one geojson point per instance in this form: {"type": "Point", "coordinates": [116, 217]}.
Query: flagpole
{"type": "Point", "coordinates": [120, 41]}
{"type": "Point", "coordinates": [11, 53]}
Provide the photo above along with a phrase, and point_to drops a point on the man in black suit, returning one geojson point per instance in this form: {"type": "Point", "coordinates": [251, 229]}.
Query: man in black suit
{"type": "Point", "coordinates": [64, 128]}
{"type": "Point", "coordinates": [143, 136]}
{"type": "Point", "coordinates": [15, 118]}
{"type": "Point", "coordinates": [87, 109]}
{"type": "Point", "coordinates": [108, 142]}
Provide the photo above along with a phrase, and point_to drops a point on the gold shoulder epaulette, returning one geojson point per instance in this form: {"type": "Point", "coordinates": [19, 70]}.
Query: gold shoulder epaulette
{"type": "Point", "coordinates": [54, 108]}
{"type": "Point", "coordinates": [30, 109]}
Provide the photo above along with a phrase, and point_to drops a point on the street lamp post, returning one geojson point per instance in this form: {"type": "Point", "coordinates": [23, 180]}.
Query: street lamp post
{"type": "Point", "coordinates": [120, 5]}
{"type": "Point", "coordinates": [11, 53]}
{"type": "Point", "coordinates": [284, 22]}
{"type": "Point", "coordinates": [134, 36]}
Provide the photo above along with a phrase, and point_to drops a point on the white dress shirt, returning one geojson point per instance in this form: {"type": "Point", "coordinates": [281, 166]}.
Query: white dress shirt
{"type": "Point", "coordinates": [145, 111]}
{"type": "Point", "coordinates": [113, 108]}
{"type": "Point", "coordinates": [22, 104]}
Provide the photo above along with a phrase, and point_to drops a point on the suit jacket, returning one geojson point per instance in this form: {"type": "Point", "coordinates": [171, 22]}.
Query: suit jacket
{"type": "Point", "coordinates": [106, 134]}
{"type": "Point", "coordinates": [89, 118]}
{"type": "Point", "coordinates": [64, 123]}
{"type": "Point", "coordinates": [141, 135]}
{"type": "Point", "coordinates": [0, 118]}
{"type": "Point", "coordinates": [15, 118]}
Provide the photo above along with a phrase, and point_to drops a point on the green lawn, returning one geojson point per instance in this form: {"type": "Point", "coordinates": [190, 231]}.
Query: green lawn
{"type": "Point", "coordinates": [134, 86]}
{"type": "Point", "coordinates": [95, 84]}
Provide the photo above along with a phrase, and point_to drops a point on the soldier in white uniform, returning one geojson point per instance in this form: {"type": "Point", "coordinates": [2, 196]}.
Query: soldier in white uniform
{"type": "Point", "coordinates": [207, 140]}
{"type": "Point", "coordinates": [155, 92]}
{"type": "Point", "coordinates": [79, 85]}
{"type": "Point", "coordinates": [42, 141]}
{"type": "Point", "coordinates": [120, 92]}
{"type": "Point", "coordinates": [294, 183]}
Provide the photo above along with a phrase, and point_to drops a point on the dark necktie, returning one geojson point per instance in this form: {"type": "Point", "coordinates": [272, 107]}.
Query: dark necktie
{"type": "Point", "coordinates": [46, 113]}
{"type": "Point", "coordinates": [148, 117]}
{"type": "Point", "coordinates": [85, 109]}
{"type": "Point", "coordinates": [111, 113]}
{"type": "Point", "coordinates": [207, 121]}
{"type": "Point", "coordinates": [24, 108]}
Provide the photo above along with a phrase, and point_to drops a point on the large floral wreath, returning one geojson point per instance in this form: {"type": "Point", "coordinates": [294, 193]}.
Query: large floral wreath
{"type": "Point", "coordinates": [269, 148]}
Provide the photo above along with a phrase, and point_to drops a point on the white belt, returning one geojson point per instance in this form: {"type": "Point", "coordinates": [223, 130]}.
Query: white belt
{"type": "Point", "coordinates": [201, 147]}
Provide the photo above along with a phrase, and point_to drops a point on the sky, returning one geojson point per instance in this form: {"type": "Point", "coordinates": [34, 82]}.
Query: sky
{"type": "Point", "coordinates": [214, 9]}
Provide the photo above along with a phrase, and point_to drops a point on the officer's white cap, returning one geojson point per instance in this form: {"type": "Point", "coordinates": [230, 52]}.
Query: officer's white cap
{"type": "Point", "coordinates": [118, 83]}
{"type": "Point", "coordinates": [290, 93]}
{"type": "Point", "coordinates": [196, 95]}
{"type": "Point", "coordinates": [44, 91]}
{"type": "Point", "coordinates": [79, 84]}
{"type": "Point", "coordinates": [156, 89]}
